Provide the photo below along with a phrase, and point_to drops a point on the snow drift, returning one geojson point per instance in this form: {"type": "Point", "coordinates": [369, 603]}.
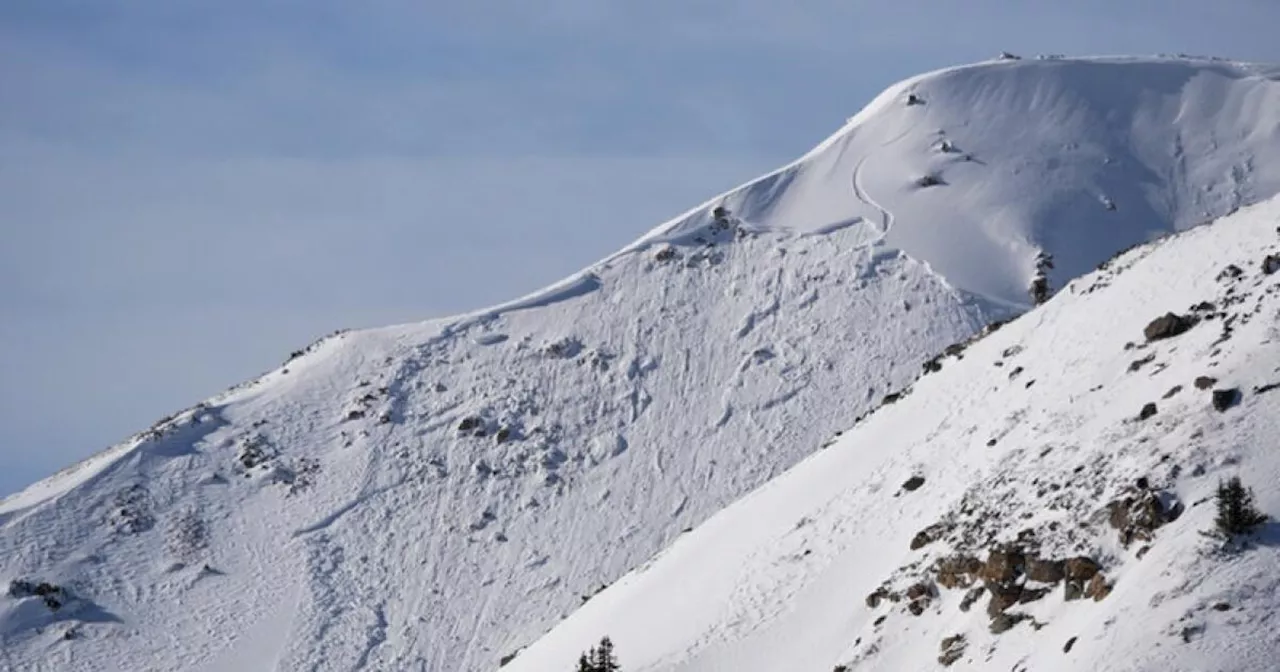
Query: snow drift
{"type": "Point", "coordinates": [435, 496]}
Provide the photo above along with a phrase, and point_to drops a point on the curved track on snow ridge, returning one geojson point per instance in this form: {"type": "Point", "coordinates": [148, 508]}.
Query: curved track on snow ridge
{"type": "Point", "coordinates": [886, 217]}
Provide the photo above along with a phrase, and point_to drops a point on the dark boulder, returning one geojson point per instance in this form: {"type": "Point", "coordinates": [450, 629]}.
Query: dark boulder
{"type": "Point", "coordinates": [1148, 410]}
{"type": "Point", "coordinates": [912, 484]}
{"type": "Point", "coordinates": [1224, 399]}
{"type": "Point", "coordinates": [1167, 326]}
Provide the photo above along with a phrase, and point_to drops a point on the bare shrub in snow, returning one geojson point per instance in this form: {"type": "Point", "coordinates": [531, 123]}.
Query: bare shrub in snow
{"type": "Point", "coordinates": [188, 536]}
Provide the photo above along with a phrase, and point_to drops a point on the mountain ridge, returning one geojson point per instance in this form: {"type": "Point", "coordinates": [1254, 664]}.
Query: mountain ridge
{"type": "Point", "coordinates": [436, 495]}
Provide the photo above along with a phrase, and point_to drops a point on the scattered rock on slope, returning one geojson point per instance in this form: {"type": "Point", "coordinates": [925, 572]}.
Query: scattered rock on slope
{"type": "Point", "coordinates": [1224, 399]}
{"type": "Point", "coordinates": [1005, 622]}
{"type": "Point", "coordinates": [952, 648]}
{"type": "Point", "coordinates": [1205, 382]}
{"type": "Point", "coordinates": [1137, 516]}
{"type": "Point", "coordinates": [928, 535]}
{"type": "Point", "coordinates": [1167, 326]}
{"type": "Point", "coordinates": [53, 596]}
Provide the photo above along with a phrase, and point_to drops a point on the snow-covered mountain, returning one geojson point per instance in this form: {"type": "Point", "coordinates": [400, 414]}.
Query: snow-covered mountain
{"type": "Point", "coordinates": [436, 496]}
{"type": "Point", "coordinates": [1043, 501]}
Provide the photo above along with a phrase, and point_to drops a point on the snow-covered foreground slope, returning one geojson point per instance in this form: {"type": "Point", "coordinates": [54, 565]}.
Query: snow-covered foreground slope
{"type": "Point", "coordinates": [1032, 441]}
{"type": "Point", "coordinates": [435, 496]}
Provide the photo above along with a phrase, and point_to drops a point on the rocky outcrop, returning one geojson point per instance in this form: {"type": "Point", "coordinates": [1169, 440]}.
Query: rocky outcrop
{"type": "Point", "coordinates": [1003, 596]}
{"type": "Point", "coordinates": [1045, 571]}
{"type": "Point", "coordinates": [957, 571]}
{"type": "Point", "coordinates": [920, 596]}
{"type": "Point", "coordinates": [1137, 515]}
{"type": "Point", "coordinates": [1002, 566]}
{"type": "Point", "coordinates": [1080, 568]}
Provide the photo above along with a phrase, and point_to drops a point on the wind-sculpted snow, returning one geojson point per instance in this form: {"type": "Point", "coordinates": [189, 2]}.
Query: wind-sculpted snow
{"type": "Point", "coordinates": [1078, 156]}
{"type": "Point", "coordinates": [435, 496]}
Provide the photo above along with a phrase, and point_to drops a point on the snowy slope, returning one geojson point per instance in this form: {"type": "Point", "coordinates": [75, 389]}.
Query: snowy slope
{"type": "Point", "coordinates": [437, 495]}
{"type": "Point", "coordinates": [1036, 427]}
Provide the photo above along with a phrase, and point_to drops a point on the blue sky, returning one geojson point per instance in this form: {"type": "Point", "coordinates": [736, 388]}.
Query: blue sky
{"type": "Point", "coordinates": [189, 191]}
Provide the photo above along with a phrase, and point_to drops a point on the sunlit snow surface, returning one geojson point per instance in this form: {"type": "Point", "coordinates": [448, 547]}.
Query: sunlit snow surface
{"type": "Point", "coordinates": [332, 515]}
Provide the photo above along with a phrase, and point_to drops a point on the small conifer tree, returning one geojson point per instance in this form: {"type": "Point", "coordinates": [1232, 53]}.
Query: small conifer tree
{"type": "Point", "coordinates": [600, 658]}
{"type": "Point", "coordinates": [606, 661]}
{"type": "Point", "coordinates": [1237, 513]}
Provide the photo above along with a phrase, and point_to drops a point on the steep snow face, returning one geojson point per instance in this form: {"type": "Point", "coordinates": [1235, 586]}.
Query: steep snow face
{"type": "Point", "coordinates": [1068, 156]}
{"type": "Point", "coordinates": [1035, 441]}
{"type": "Point", "coordinates": [435, 496]}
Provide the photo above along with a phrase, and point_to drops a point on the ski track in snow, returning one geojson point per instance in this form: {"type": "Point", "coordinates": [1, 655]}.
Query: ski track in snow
{"type": "Point", "coordinates": [886, 217]}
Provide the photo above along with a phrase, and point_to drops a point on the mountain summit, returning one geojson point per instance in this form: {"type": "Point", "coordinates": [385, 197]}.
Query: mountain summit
{"type": "Point", "coordinates": [435, 496]}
